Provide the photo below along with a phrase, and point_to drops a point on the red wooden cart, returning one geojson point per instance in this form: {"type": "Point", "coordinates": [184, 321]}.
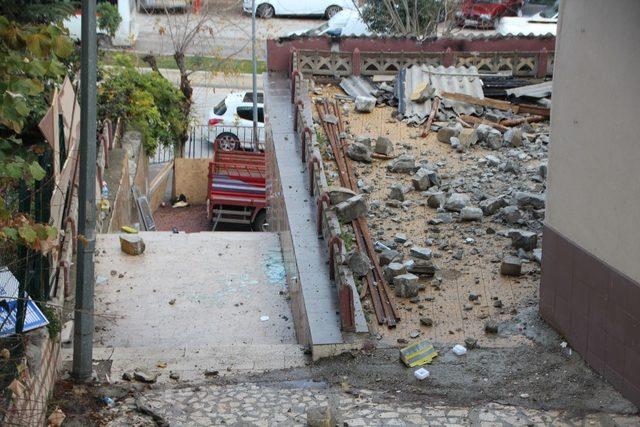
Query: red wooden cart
{"type": "Point", "coordinates": [237, 190]}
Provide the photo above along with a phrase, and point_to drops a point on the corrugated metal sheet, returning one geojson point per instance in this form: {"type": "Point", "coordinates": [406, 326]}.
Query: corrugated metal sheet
{"type": "Point", "coordinates": [442, 79]}
{"type": "Point", "coordinates": [540, 90]}
{"type": "Point", "coordinates": [357, 86]}
{"type": "Point", "coordinates": [457, 36]}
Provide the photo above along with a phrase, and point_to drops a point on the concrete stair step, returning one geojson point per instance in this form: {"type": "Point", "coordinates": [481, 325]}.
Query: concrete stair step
{"type": "Point", "coordinates": [191, 363]}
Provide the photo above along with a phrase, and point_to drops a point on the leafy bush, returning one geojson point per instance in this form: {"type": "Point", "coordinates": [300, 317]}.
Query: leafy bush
{"type": "Point", "coordinates": [32, 63]}
{"type": "Point", "coordinates": [109, 18]}
{"type": "Point", "coordinates": [147, 101]}
{"type": "Point", "coordinates": [410, 19]}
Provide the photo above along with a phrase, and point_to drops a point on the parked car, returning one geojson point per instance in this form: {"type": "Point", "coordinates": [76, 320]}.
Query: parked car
{"type": "Point", "coordinates": [231, 122]}
{"type": "Point", "coordinates": [533, 7]}
{"type": "Point", "coordinates": [152, 5]}
{"type": "Point", "coordinates": [541, 24]}
{"type": "Point", "coordinates": [486, 13]}
{"type": "Point", "coordinates": [270, 8]}
{"type": "Point", "coordinates": [127, 31]}
{"type": "Point", "coordinates": [345, 23]}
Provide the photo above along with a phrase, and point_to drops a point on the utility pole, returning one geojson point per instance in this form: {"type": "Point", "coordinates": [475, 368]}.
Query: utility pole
{"type": "Point", "coordinates": [83, 317]}
{"type": "Point", "coordinates": [255, 76]}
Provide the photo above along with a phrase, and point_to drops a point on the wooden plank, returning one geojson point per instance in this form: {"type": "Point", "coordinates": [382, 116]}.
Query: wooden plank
{"type": "Point", "coordinates": [537, 110]}
{"type": "Point", "coordinates": [478, 121]}
{"type": "Point", "coordinates": [521, 120]}
{"type": "Point", "coordinates": [434, 110]}
{"type": "Point", "coordinates": [485, 102]}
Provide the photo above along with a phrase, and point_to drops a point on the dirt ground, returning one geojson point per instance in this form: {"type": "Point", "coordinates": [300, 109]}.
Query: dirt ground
{"type": "Point", "coordinates": [447, 294]}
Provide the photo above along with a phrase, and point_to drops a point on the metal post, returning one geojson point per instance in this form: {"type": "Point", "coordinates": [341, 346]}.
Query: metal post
{"type": "Point", "coordinates": [83, 318]}
{"type": "Point", "coordinates": [255, 76]}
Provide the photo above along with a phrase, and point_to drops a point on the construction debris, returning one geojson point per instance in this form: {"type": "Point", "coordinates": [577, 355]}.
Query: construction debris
{"type": "Point", "coordinates": [418, 354]}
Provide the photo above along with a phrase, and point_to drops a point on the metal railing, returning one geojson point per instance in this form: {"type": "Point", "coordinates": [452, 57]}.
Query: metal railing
{"type": "Point", "coordinates": [199, 145]}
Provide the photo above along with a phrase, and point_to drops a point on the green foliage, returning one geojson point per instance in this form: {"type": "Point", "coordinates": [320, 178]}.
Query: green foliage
{"type": "Point", "coordinates": [147, 101]}
{"type": "Point", "coordinates": [37, 11]}
{"type": "Point", "coordinates": [417, 18]}
{"type": "Point", "coordinates": [31, 65]}
{"type": "Point", "coordinates": [55, 325]}
{"type": "Point", "coordinates": [109, 18]}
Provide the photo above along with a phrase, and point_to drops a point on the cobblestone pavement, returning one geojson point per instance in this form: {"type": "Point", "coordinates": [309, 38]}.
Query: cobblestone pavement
{"type": "Point", "coordinates": [286, 404]}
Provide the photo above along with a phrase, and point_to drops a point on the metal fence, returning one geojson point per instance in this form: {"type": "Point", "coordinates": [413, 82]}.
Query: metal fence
{"type": "Point", "coordinates": [199, 145]}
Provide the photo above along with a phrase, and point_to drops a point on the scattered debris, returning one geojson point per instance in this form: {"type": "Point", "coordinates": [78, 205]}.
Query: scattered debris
{"type": "Point", "coordinates": [145, 377]}
{"type": "Point", "coordinates": [459, 350]}
{"type": "Point", "coordinates": [421, 373]}
{"type": "Point", "coordinates": [132, 244]}
{"type": "Point", "coordinates": [420, 353]}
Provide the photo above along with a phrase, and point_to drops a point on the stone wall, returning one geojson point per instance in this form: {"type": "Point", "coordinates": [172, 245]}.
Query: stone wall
{"type": "Point", "coordinates": [190, 178]}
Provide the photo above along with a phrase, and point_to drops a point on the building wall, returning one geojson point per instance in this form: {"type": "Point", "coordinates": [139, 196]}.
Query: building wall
{"type": "Point", "coordinates": [590, 288]}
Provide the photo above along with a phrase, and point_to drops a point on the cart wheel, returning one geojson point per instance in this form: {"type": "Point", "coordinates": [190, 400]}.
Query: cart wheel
{"type": "Point", "coordinates": [259, 222]}
{"type": "Point", "coordinates": [227, 141]}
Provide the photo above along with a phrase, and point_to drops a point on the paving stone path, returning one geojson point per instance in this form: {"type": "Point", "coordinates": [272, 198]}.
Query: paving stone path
{"type": "Point", "coordinates": [286, 404]}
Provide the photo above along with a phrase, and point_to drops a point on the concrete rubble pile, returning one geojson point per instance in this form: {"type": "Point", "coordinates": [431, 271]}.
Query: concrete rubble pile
{"type": "Point", "coordinates": [490, 211]}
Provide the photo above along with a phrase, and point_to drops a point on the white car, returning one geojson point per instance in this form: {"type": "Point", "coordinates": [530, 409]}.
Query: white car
{"type": "Point", "coordinates": [231, 122]}
{"type": "Point", "coordinates": [271, 8]}
{"type": "Point", "coordinates": [346, 23]}
{"type": "Point", "coordinates": [540, 24]}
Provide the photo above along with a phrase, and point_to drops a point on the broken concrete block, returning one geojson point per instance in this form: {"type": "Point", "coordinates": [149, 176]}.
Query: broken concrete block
{"type": "Point", "coordinates": [491, 327]}
{"type": "Point", "coordinates": [406, 163]}
{"type": "Point", "coordinates": [321, 416]}
{"type": "Point", "coordinates": [469, 213]}
{"type": "Point", "coordinates": [132, 244]}
{"type": "Point", "coordinates": [359, 263]}
{"type": "Point", "coordinates": [522, 239]}
{"type": "Point", "coordinates": [422, 93]}
{"type": "Point", "coordinates": [533, 200]}
{"type": "Point", "coordinates": [492, 160]}
{"type": "Point", "coordinates": [364, 140]}
{"type": "Point", "coordinates": [435, 200]}
{"type": "Point", "coordinates": [397, 192]}
{"type": "Point", "coordinates": [145, 376]}
{"type": "Point", "coordinates": [383, 146]}
{"type": "Point", "coordinates": [468, 137]}
{"type": "Point", "coordinates": [359, 152]}
{"type": "Point", "coordinates": [492, 205]}
{"type": "Point", "coordinates": [426, 321]}
{"type": "Point", "coordinates": [420, 252]}
{"type": "Point", "coordinates": [339, 194]}
{"type": "Point", "coordinates": [446, 133]}
{"type": "Point", "coordinates": [457, 201]}
{"type": "Point", "coordinates": [422, 267]}
{"type": "Point", "coordinates": [482, 131]}
{"type": "Point", "coordinates": [537, 255]}
{"type": "Point", "coordinates": [513, 137]}
{"type": "Point", "coordinates": [511, 214]}
{"type": "Point", "coordinates": [424, 179]}
{"type": "Point", "coordinates": [493, 139]}
{"type": "Point", "coordinates": [511, 266]}
{"type": "Point", "coordinates": [542, 170]}
{"type": "Point", "coordinates": [352, 208]}
{"type": "Point", "coordinates": [394, 269]}
{"type": "Point", "coordinates": [388, 256]}
{"type": "Point", "coordinates": [365, 104]}
{"type": "Point", "coordinates": [406, 285]}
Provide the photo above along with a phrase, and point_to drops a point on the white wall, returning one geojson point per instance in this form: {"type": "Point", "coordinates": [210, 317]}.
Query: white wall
{"type": "Point", "coordinates": [594, 163]}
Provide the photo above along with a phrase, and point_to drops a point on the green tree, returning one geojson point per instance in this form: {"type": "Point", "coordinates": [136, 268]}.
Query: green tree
{"type": "Point", "coordinates": [30, 68]}
{"type": "Point", "coordinates": [37, 11]}
{"type": "Point", "coordinates": [147, 101]}
{"type": "Point", "coordinates": [109, 18]}
{"type": "Point", "coordinates": [408, 18]}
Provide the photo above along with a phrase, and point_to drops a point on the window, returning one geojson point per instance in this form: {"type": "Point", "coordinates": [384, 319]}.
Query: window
{"type": "Point", "coordinates": [248, 97]}
{"type": "Point", "coordinates": [246, 113]}
{"type": "Point", "coordinates": [220, 109]}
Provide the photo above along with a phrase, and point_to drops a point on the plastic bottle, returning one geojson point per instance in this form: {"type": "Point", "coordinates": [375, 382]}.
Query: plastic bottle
{"type": "Point", "coordinates": [105, 190]}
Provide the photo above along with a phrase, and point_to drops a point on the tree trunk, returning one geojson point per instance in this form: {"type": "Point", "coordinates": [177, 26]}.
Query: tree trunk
{"type": "Point", "coordinates": [151, 60]}
{"type": "Point", "coordinates": [187, 91]}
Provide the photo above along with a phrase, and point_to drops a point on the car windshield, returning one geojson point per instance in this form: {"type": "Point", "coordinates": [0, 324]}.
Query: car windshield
{"type": "Point", "coordinates": [220, 109]}
{"type": "Point", "coordinates": [549, 12]}
{"type": "Point", "coordinates": [248, 97]}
